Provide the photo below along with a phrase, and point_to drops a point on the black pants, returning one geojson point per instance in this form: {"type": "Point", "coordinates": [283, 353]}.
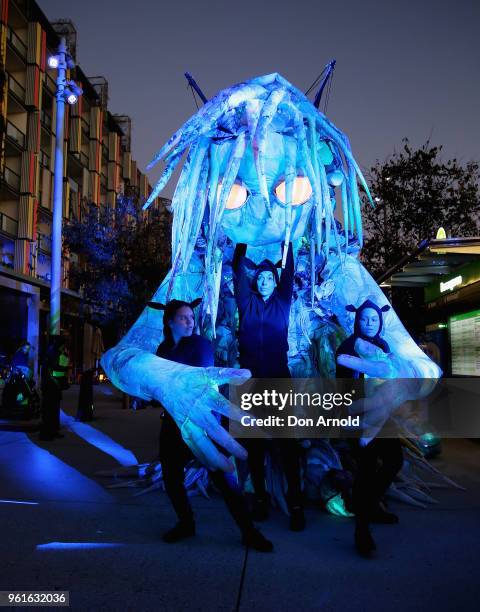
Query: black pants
{"type": "Point", "coordinates": [174, 456]}
{"type": "Point", "coordinates": [289, 451]}
{"type": "Point", "coordinates": [377, 465]}
{"type": "Point", "coordinates": [51, 397]}
{"type": "Point", "coordinates": [85, 396]}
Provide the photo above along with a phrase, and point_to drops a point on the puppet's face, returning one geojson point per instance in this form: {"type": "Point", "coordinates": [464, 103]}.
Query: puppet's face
{"type": "Point", "coordinates": [265, 284]}
{"type": "Point", "coordinates": [246, 218]}
{"type": "Point", "coordinates": [369, 322]}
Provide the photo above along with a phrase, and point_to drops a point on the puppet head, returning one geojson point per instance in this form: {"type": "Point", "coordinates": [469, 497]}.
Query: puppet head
{"type": "Point", "coordinates": [261, 165]}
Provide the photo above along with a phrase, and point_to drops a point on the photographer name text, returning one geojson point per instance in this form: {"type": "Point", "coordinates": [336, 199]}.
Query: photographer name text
{"type": "Point", "coordinates": [294, 421]}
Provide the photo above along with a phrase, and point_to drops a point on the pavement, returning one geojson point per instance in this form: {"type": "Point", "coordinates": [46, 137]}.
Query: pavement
{"type": "Point", "coordinates": [63, 529]}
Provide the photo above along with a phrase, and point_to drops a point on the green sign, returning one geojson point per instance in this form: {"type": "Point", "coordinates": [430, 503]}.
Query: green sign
{"type": "Point", "coordinates": [469, 273]}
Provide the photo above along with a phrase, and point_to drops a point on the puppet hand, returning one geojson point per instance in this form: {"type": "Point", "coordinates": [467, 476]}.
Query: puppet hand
{"type": "Point", "coordinates": [190, 397]}
{"type": "Point", "coordinates": [389, 386]}
{"type": "Point", "coordinates": [374, 362]}
{"type": "Point", "coordinates": [385, 399]}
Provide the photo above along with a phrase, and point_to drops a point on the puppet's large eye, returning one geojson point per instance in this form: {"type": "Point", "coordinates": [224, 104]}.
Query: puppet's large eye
{"type": "Point", "coordinates": [236, 198]}
{"type": "Point", "coordinates": [302, 191]}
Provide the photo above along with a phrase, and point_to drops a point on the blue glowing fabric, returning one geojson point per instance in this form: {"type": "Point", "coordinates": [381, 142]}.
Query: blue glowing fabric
{"type": "Point", "coordinates": [249, 152]}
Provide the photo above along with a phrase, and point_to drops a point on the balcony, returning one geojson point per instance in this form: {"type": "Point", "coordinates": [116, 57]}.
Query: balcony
{"type": "Point", "coordinates": [50, 84]}
{"type": "Point", "coordinates": [8, 225]}
{"type": "Point", "coordinates": [15, 134]}
{"type": "Point", "coordinates": [16, 88]}
{"type": "Point", "coordinates": [7, 251]}
{"type": "Point", "coordinates": [32, 260]}
{"type": "Point", "coordinates": [44, 160]}
{"type": "Point", "coordinates": [18, 44]}
{"type": "Point", "coordinates": [11, 178]}
{"type": "Point", "coordinates": [46, 120]}
{"type": "Point", "coordinates": [44, 243]}
{"type": "Point", "coordinates": [73, 205]}
{"type": "Point", "coordinates": [43, 266]}
{"type": "Point", "coordinates": [82, 158]}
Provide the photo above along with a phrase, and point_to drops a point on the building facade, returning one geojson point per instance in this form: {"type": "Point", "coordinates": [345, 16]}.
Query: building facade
{"type": "Point", "coordinates": [448, 272]}
{"type": "Point", "coordinates": [98, 165]}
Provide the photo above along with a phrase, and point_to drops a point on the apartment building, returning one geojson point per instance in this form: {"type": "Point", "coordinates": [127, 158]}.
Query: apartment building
{"type": "Point", "coordinates": [98, 165]}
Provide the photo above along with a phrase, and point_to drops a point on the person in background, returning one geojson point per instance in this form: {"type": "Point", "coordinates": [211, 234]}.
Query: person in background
{"type": "Point", "coordinates": [85, 406]}
{"type": "Point", "coordinates": [19, 395]}
{"type": "Point", "coordinates": [54, 381]}
{"type": "Point", "coordinates": [23, 360]}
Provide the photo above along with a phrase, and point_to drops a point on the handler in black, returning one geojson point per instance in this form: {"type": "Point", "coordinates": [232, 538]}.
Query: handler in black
{"type": "Point", "coordinates": [381, 459]}
{"type": "Point", "coordinates": [183, 346]}
{"type": "Point", "coordinates": [264, 311]}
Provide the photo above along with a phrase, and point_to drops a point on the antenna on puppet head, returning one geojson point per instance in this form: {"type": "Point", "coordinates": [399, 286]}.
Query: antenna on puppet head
{"type": "Point", "coordinates": [323, 78]}
{"type": "Point", "coordinates": [195, 88]}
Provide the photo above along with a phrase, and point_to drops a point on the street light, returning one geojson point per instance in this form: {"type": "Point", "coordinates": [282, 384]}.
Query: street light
{"type": "Point", "coordinates": [72, 98]}
{"type": "Point", "coordinates": [67, 91]}
{"type": "Point", "coordinates": [53, 62]}
{"type": "Point", "coordinates": [72, 92]}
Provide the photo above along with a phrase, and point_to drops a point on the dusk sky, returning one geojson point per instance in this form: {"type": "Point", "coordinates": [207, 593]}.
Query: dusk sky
{"type": "Point", "coordinates": [404, 69]}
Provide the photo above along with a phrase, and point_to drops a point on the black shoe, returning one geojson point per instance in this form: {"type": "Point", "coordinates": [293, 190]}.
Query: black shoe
{"type": "Point", "coordinates": [59, 435]}
{"type": "Point", "coordinates": [261, 509]}
{"type": "Point", "coordinates": [181, 531]}
{"type": "Point", "coordinates": [46, 437]}
{"type": "Point", "coordinates": [254, 539]}
{"type": "Point", "coordinates": [383, 517]}
{"type": "Point", "coordinates": [364, 542]}
{"type": "Point", "coordinates": [297, 519]}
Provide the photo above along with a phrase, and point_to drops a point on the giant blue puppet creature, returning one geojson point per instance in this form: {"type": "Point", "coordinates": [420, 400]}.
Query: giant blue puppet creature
{"type": "Point", "coordinates": [263, 167]}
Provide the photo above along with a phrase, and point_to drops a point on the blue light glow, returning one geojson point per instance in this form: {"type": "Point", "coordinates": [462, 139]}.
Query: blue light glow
{"type": "Point", "coordinates": [72, 98]}
{"type": "Point", "coordinates": [76, 545]}
{"type": "Point", "coordinates": [31, 471]}
{"type": "Point", "coordinates": [14, 501]}
{"type": "Point", "coordinates": [53, 62]}
{"type": "Point", "coordinates": [99, 440]}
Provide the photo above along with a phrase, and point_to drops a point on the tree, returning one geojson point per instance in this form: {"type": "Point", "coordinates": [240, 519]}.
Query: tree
{"type": "Point", "coordinates": [124, 253]}
{"type": "Point", "coordinates": [416, 192]}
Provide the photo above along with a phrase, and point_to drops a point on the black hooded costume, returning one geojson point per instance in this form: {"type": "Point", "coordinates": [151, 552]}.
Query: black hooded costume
{"type": "Point", "coordinates": [263, 348]}
{"type": "Point", "coordinates": [263, 332]}
{"type": "Point", "coordinates": [190, 350]}
{"type": "Point", "coordinates": [381, 459]}
{"type": "Point", "coordinates": [348, 346]}
{"type": "Point", "coordinates": [195, 351]}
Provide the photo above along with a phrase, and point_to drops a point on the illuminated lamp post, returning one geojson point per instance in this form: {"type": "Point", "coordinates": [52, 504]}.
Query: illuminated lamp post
{"type": "Point", "coordinates": [67, 91]}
